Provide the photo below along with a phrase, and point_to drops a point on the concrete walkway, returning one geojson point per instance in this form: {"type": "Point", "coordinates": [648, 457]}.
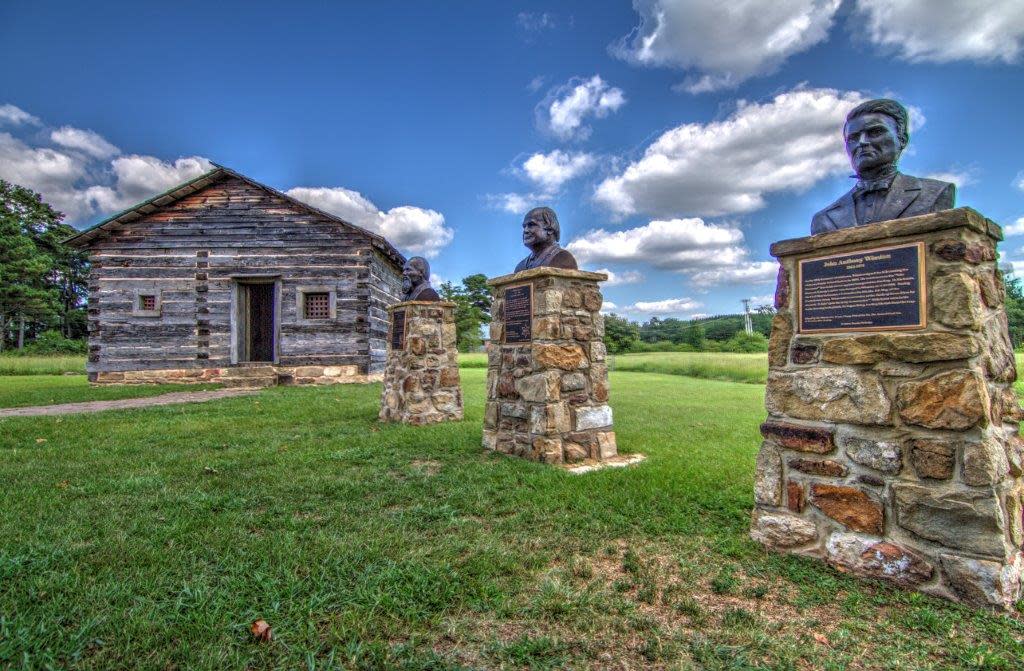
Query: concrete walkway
{"type": "Point", "coordinates": [126, 403]}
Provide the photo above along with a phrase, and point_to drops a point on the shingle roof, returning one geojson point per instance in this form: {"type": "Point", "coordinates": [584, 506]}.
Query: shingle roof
{"type": "Point", "coordinates": [219, 172]}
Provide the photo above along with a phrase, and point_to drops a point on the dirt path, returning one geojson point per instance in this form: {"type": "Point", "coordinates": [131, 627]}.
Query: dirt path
{"type": "Point", "coordinates": [125, 403]}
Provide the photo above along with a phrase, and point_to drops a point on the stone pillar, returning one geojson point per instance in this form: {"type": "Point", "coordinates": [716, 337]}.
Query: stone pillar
{"type": "Point", "coordinates": [421, 378]}
{"type": "Point", "coordinates": [547, 380]}
{"type": "Point", "coordinates": [894, 454]}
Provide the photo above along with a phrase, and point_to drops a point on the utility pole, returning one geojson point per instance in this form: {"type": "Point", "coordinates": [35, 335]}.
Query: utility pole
{"type": "Point", "coordinates": [748, 325]}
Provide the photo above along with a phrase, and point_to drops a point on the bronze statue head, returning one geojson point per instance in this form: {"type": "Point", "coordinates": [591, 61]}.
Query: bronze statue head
{"type": "Point", "coordinates": [876, 132]}
{"type": "Point", "coordinates": [540, 228]}
{"type": "Point", "coordinates": [415, 272]}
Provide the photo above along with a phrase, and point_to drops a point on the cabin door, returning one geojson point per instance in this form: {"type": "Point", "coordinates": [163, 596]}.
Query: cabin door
{"type": "Point", "coordinates": [255, 322]}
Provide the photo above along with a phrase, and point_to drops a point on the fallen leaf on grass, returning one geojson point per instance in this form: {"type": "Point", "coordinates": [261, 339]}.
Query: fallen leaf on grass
{"type": "Point", "coordinates": [63, 484]}
{"type": "Point", "coordinates": [40, 440]}
{"type": "Point", "coordinates": [820, 638]}
{"type": "Point", "coordinates": [261, 630]}
{"type": "Point", "coordinates": [211, 470]}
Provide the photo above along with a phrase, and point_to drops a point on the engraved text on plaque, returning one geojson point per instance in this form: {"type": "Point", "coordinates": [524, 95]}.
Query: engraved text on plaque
{"type": "Point", "coordinates": [398, 330]}
{"type": "Point", "coordinates": [872, 290]}
{"type": "Point", "coordinates": [518, 313]}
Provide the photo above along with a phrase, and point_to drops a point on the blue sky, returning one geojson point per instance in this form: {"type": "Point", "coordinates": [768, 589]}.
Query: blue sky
{"type": "Point", "coordinates": [675, 139]}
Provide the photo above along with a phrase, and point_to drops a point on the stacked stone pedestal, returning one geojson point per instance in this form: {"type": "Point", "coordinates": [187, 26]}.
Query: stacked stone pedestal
{"type": "Point", "coordinates": [547, 398]}
{"type": "Point", "coordinates": [894, 455]}
{"type": "Point", "coordinates": [421, 379]}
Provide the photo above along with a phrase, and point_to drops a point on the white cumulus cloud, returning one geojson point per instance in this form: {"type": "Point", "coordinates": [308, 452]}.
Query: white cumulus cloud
{"type": "Point", "coordinates": [88, 141]}
{"type": "Point", "coordinates": [607, 306]}
{"type": "Point", "coordinates": [625, 277]}
{"type": "Point", "coordinates": [945, 31]}
{"type": "Point", "coordinates": [668, 306]}
{"type": "Point", "coordinates": [676, 244]}
{"type": "Point", "coordinates": [15, 115]}
{"type": "Point", "coordinates": [565, 108]}
{"type": "Point", "coordinates": [729, 166]}
{"type": "Point", "coordinates": [550, 171]}
{"type": "Point", "coordinates": [75, 176]}
{"type": "Point", "coordinates": [1016, 228]}
{"type": "Point", "coordinates": [960, 177]}
{"type": "Point", "coordinates": [724, 43]}
{"type": "Point", "coordinates": [744, 273]}
{"type": "Point", "coordinates": [416, 230]}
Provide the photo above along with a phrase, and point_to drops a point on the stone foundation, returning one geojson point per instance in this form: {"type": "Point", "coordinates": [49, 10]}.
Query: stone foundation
{"type": "Point", "coordinates": [894, 455]}
{"type": "Point", "coordinates": [421, 379]}
{"type": "Point", "coordinates": [547, 396]}
{"type": "Point", "coordinates": [240, 376]}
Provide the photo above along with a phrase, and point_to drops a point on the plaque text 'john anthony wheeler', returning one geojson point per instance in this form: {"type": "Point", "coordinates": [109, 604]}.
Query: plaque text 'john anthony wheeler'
{"type": "Point", "coordinates": [872, 290]}
{"type": "Point", "coordinates": [518, 313]}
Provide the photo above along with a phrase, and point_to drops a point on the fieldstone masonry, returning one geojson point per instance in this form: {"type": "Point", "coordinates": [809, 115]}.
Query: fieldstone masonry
{"type": "Point", "coordinates": [895, 455]}
{"type": "Point", "coordinates": [421, 379]}
{"type": "Point", "coordinates": [547, 397]}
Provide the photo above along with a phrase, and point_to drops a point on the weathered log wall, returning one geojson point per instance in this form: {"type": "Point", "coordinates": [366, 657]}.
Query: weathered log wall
{"type": "Point", "coordinates": [189, 253]}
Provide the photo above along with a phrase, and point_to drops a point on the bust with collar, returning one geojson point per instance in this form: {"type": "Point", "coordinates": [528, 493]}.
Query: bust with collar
{"type": "Point", "coordinates": [876, 133]}
{"type": "Point", "coordinates": [541, 233]}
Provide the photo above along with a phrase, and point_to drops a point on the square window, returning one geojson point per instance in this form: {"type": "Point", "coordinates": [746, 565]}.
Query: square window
{"type": "Point", "coordinates": [147, 302]}
{"type": "Point", "coordinates": [317, 305]}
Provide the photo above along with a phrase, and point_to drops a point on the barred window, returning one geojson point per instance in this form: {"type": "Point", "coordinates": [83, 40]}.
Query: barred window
{"type": "Point", "coordinates": [147, 302]}
{"type": "Point", "coordinates": [317, 306]}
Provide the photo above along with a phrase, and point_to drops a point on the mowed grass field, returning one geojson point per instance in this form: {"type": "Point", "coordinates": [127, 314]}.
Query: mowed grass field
{"type": "Point", "coordinates": [153, 538]}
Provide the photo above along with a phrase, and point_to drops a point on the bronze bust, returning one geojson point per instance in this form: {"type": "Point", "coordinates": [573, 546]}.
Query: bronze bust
{"type": "Point", "coordinates": [540, 235]}
{"type": "Point", "coordinates": [416, 281]}
{"type": "Point", "coordinates": [876, 133]}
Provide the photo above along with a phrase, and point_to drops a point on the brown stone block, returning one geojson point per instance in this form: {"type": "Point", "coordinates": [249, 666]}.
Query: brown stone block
{"type": "Point", "coordinates": [592, 300]}
{"type": "Point", "coordinates": [956, 301]}
{"type": "Point", "coordinates": [820, 440]}
{"type": "Point", "coordinates": [804, 352]}
{"type": "Point", "coordinates": [547, 450]}
{"type": "Point", "coordinates": [829, 394]}
{"type": "Point", "coordinates": [449, 376]}
{"type": "Point", "coordinates": [968, 520]}
{"type": "Point", "coordinates": [782, 289]}
{"type": "Point", "coordinates": [606, 445]}
{"type": "Point", "coordinates": [573, 452]}
{"type": "Point", "coordinates": [574, 382]}
{"type": "Point", "coordinates": [778, 343]}
{"type": "Point", "coordinates": [883, 560]}
{"type": "Point", "coordinates": [796, 496]}
{"type": "Point", "coordinates": [984, 464]}
{"type": "Point", "coordinates": [981, 583]}
{"type": "Point", "coordinates": [540, 387]}
{"type": "Point", "coordinates": [507, 386]}
{"type": "Point", "coordinates": [572, 298]}
{"type": "Point", "coordinates": [550, 418]}
{"type": "Point", "coordinates": [547, 328]}
{"type": "Point", "coordinates": [849, 506]}
{"type": "Point", "coordinates": [566, 357]}
{"type": "Point", "coordinates": [958, 250]}
{"type": "Point", "coordinates": [768, 476]}
{"type": "Point", "coordinates": [933, 458]}
{"type": "Point", "coordinates": [827, 467]}
{"type": "Point", "coordinates": [417, 345]}
{"type": "Point", "coordinates": [993, 291]}
{"type": "Point", "coordinates": [913, 348]}
{"type": "Point", "coordinates": [491, 415]}
{"type": "Point", "coordinates": [1000, 363]}
{"type": "Point", "coordinates": [955, 400]}
{"type": "Point", "coordinates": [777, 530]}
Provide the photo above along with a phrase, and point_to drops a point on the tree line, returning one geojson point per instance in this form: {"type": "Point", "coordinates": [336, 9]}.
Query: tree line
{"type": "Point", "coordinates": [43, 282]}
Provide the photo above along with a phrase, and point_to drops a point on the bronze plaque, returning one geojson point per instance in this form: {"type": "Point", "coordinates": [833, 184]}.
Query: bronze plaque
{"type": "Point", "coordinates": [398, 330]}
{"type": "Point", "coordinates": [519, 313]}
{"type": "Point", "coordinates": [879, 289]}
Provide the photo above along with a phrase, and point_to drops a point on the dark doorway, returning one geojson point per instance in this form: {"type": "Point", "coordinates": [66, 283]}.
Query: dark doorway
{"type": "Point", "coordinates": [256, 322]}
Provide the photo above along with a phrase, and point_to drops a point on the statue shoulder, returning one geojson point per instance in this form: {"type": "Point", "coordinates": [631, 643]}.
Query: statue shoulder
{"type": "Point", "coordinates": [941, 192]}
{"type": "Point", "coordinates": [565, 260]}
{"type": "Point", "coordinates": [428, 294]}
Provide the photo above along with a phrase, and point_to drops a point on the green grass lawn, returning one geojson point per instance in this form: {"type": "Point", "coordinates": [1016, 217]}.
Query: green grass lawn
{"type": "Point", "coordinates": [24, 390]}
{"type": "Point", "coordinates": [153, 538]}
{"type": "Point", "coordinates": [41, 365]}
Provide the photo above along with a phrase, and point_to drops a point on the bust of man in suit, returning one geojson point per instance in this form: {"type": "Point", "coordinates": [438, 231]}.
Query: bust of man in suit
{"type": "Point", "coordinates": [876, 133]}
{"type": "Point", "coordinates": [416, 281]}
{"type": "Point", "coordinates": [540, 235]}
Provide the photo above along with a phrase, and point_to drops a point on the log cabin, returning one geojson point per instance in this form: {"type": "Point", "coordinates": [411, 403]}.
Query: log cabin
{"type": "Point", "coordinates": [224, 279]}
